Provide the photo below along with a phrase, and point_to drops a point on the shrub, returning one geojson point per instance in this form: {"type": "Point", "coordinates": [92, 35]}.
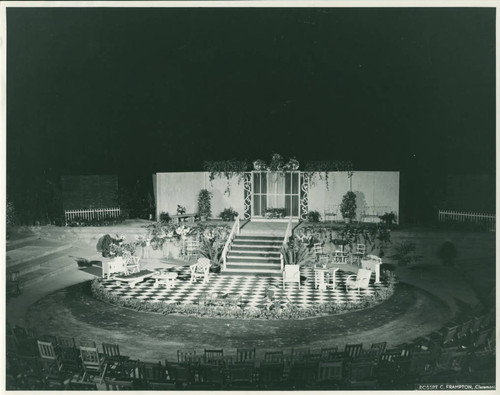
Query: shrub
{"type": "Point", "coordinates": [388, 219]}
{"type": "Point", "coordinates": [405, 253]}
{"type": "Point", "coordinates": [313, 216]}
{"type": "Point", "coordinates": [165, 217]}
{"type": "Point", "coordinates": [104, 245]}
{"type": "Point", "coordinates": [181, 210]}
{"type": "Point", "coordinates": [228, 214]}
{"type": "Point", "coordinates": [348, 206]}
{"type": "Point", "coordinates": [204, 204]}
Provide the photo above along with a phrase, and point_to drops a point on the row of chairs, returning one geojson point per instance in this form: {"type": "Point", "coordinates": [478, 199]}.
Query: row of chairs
{"type": "Point", "coordinates": [458, 352]}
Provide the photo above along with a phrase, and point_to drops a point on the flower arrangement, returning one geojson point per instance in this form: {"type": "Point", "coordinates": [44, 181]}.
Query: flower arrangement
{"type": "Point", "coordinates": [259, 165]}
{"type": "Point", "coordinates": [228, 214]}
{"type": "Point", "coordinates": [275, 213]}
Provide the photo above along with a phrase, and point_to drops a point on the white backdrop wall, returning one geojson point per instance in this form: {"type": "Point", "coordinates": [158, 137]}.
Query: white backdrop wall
{"type": "Point", "coordinates": [183, 189]}
{"type": "Point", "coordinates": [372, 188]}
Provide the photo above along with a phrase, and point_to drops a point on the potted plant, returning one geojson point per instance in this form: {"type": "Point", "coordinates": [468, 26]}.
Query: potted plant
{"type": "Point", "coordinates": [348, 206]}
{"type": "Point", "coordinates": [204, 204]}
{"type": "Point", "coordinates": [259, 164]}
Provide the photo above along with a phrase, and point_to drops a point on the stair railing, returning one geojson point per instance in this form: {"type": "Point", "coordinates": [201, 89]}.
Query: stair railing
{"type": "Point", "coordinates": [288, 233]}
{"type": "Point", "coordinates": [234, 231]}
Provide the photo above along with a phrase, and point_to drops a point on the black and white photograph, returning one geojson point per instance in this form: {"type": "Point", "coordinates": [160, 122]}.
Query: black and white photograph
{"type": "Point", "coordinates": [249, 196]}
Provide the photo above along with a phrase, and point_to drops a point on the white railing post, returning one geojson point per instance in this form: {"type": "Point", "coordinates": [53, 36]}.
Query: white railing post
{"type": "Point", "coordinates": [234, 231]}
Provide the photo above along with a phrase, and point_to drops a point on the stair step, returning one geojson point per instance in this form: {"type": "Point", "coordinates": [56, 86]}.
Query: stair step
{"type": "Point", "coordinates": [254, 254]}
{"type": "Point", "coordinates": [253, 260]}
{"type": "Point", "coordinates": [37, 263]}
{"type": "Point", "coordinates": [257, 237]}
{"type": "Point", "coordinates": [245, 248]}
{"type": "Point", "coordinates": [252, 266]}
{"type": "Point", "coordinates": [264, 243]}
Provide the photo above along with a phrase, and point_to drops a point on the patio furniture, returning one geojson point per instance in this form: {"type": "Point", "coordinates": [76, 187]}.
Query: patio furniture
{"type": "Point", "coordinates": [319, 278]}
{"type": "Point", "coordinates": [245, 355]}
{"type": "Point", "coordinates": [192, 249]}
{"type": "Point", "coordinates": [340, 256]}
{"type": "Point", "coordinates": [331, 211]}
{"type": "Point", "coordinates": [166, 278]}
{"type": "Point", "coordinates": [201, 269]}
{"type": "Point", "coordinates": [132, 265]}
{"type": "Point", "coordinates": [358, 254]}
{"type": "Point", "coordinates": [115, 265]}
{"type": "Point", "coordinates": [48, 354]}
{"type": "Point", "coordinates": [291, 274]}
{"type": "Point", "coordinates": [92, 362]}
{"type": "Point", "coordinates": [133, 281]}
{"type": "Point", "coordinates": [274, 356]}
{"type": "Point", "coordinates": [358, 281]}
{"type": "Point", "coordinates": [320, 254]}
{"type": "Point", "coordinates": [211, 356]}
{"type": "Point", "coordinates": [372, 262]}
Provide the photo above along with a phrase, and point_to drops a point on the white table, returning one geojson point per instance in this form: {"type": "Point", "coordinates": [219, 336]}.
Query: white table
{"type": "Point", "coordinates": [324, 270]}
{"type": "Point", "coordinates": [167, 279]}
{"type": "Point", "coordinates": [373, 265]}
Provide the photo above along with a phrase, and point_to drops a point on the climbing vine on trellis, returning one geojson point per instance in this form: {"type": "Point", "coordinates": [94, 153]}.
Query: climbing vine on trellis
{"type": "Point", "coordinates": [237, 168]}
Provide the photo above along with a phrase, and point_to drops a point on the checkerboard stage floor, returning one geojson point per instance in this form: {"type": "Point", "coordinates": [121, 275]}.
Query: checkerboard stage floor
{"type": "Point", "coordinates": [251, 289]}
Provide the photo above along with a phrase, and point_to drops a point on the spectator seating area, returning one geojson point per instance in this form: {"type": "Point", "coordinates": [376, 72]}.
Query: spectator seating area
{"type": "Point", "coordinates": [461, 352]}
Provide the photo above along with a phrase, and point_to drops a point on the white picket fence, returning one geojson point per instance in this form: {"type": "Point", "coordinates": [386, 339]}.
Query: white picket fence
{"type": "Point", "coordinates": [487, 219]}
{"type": "Point", "coordinates": [91, 213]}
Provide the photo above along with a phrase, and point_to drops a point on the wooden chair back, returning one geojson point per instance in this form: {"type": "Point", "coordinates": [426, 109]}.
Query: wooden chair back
{"type": "Point", "coordinates": [213, 355]}
{"type": "Point", "coordinates": [64, 341]}
{"type": "Point", "coordinates": [111, 350]}
{"type": "Point", "coordinates": [182, 355]}
{"type": "Point", "coordinates": [46, 350]}
{"type": "Point", "coordinates": [325, 351]}
{"type": "Point", "coordinates": [274, 356]}
{"type": "Point", "coordinates": [90, 359]}
{"type": "Point", "coordinates": [353, 350]}
{"type": "Point", "coordinates": [245, 354]}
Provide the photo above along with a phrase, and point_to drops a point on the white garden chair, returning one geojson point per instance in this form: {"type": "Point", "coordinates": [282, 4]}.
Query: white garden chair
{"type": "Point", "coordinates": [358, 281]}
{"type": "Point", "coordinates": [201, 269]}
{"type": "Point", "coordinates": [291, 274]}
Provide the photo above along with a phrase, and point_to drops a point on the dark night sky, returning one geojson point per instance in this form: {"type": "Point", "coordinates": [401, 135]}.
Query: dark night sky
{"type": "Point", "coordinates": [135, 91]}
